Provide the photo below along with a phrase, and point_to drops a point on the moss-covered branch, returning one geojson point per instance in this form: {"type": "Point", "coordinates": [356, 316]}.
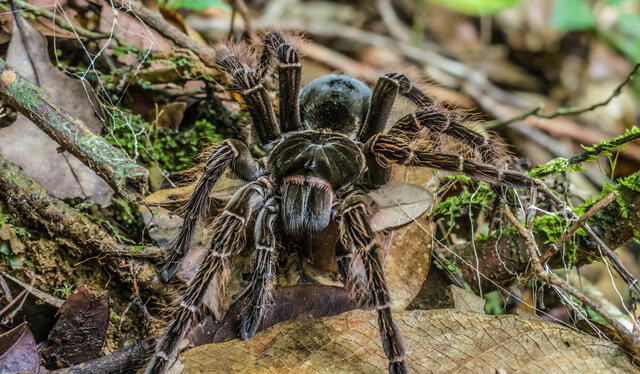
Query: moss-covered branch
{"type": "Point", "coordinates": [119, 171]}
{"type": "Point", "coordinates": [503, 259]}
{"type": "Point", "coordinates": [35, 205]}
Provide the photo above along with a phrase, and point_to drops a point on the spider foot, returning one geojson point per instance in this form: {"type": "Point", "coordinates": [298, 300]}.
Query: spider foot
{"type": "Point", "coordinates": [156, 365]}
{"type": "Point", "coordinates": [400, 367]}
{"type": "Point", "coordinates": [168, 271]}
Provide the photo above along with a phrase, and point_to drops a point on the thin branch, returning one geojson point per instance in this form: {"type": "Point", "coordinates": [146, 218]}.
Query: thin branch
{"type": "Point", "coordinates": [156, 22]}
{"type": "Point", "coordinates": [566, 111]}
{"type": "Point", "coordinates": [81, 31]}
{"type": "Point", "coordinates": [125, 360]}
{"type": "Point", "coordinates": [629, 340]}
{"type": "Point", "coordinates": [392, 21]}
{"type": "Point", "coordinates": [581, 221]}
{"type": "Point", "coordinates": [241, 8]}
{"type": "Point", "coordinates": [600, 148]}
{"type": "Point", "coordinates": [590, 152]}
{"type": "Point", "coordinates": [116, 168]}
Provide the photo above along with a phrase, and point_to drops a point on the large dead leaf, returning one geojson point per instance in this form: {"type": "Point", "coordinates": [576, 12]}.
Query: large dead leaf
{"type": "Point", "coordinates": [18, 351]}
{"type": "Point", "coordinates": [398, 204]}
{"type": "Point", "coordinates": [26, 145]}
{"type": "Point", "coordinates": [437, 341]}
{"type": "Point", "coordinates": [80, 331]}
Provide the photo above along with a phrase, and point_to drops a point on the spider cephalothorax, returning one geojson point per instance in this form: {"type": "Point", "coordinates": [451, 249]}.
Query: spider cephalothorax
{"type": "Point", "coordinates": [327, 148]}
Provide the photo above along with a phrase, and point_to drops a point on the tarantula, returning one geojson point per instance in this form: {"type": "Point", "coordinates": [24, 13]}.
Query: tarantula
{"type": "Point", "coordinates": [325, 151]}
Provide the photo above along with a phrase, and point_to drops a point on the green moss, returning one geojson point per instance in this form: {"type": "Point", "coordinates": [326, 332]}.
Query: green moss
{"type": "Point", "coordinates": [631, 182]}
{"type": "Point", "coordinates": [169, 149]}
{"type": "Point", "coordinates": [480, 197]}
{"type": "Point", "coordinates": [555, 166]}
{"type": "Point", "coordinates": [602, 148]}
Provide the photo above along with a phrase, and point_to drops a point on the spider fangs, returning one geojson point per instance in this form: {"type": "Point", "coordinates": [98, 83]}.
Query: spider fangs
{"type": "Point", "coordinates": [326, 150]}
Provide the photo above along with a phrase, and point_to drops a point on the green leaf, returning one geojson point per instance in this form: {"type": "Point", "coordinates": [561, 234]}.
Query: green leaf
{"type": "Point", "coordinates": [476, 7]}
{"type": "Point", "coordinates": [571, 15]}
{"type": "Point", "coordinates": [630, 24]}
{"type": "Point", "coordinates": [4, 249]}
{"type": "Point", "coordinates": [199, 4]}
{"type": "Point", "coordinates": [15, 262]}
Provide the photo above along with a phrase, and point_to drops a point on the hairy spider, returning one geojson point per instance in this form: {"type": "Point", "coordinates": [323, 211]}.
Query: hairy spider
{"type": "Point", "coordinates": [325, 151]}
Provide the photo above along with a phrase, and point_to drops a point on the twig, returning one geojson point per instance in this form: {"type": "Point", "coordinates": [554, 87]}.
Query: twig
{"type": "Point", "coordinates": [590, 152]}
{"type": "Point", "coordinates": [36, 292]}
{"type": "Point", "coordinates": [391, 20]}
{"type": "Point", "coordinates": [241, 8]}
{"type": "Point", "coordinates": [566, 111]}
{"type": "Point", "coordinates": [81, 31]}
{"type": "Point", "coordinates": [337, 60]}
{"type": "Point", "coordinates": [155, 21]}
{"type": "Point", "coordinates": [7, 308]}
{"type": "Point", "coordinates": [121, 173]}
{"type": "Point", "coordinates": [629, 340]}
{"type": "Point", "coordinates": [593, 210]}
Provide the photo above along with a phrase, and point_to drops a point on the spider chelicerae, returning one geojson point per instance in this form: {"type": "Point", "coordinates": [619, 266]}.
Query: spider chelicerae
{"type": "Point", "coordinates": [325, 151]}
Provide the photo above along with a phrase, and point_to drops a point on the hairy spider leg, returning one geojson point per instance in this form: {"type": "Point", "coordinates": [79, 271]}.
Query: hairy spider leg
{"type": "Point", "coordinates": [262, 268]}
{"type": "Point", "coordinates": [382, 99]}
{"type": "Point", "coordinates": [410, 91]}
{"type": "Point", "coordinates": [388, 150]}
{"type": "Point", "coordinates": [248, 82]}
{"type": "Point", "coordinates": [352, 276]}
{"type": "Point", "coordinates": [230, 153]}
{"type": "Point", "coordinates": [289, 78]}
{"type": "Point", "coordinates": [356, 233]}
{"type": "Point", "coordinates": [228, 240]}
{"type": "Point", "coordinates": [437, 123]}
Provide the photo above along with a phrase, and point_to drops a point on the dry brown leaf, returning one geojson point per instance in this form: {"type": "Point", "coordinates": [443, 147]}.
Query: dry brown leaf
{"type": "Point", "coordinates": [438, 341]}
{"type": "Point", "coordinates": [18, 351]}
{"type": "Point", "coordinates": [466, 300]}
{"type": "Point", "coordinates": [80, 331]}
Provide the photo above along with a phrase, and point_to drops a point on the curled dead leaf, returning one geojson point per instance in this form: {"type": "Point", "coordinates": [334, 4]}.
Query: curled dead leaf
{"type": "Point", "coordinates": [437, 341]}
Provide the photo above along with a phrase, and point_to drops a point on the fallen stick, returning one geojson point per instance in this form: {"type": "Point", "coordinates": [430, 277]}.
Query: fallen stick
{"type": "Point", "coordinates": [123, 175]}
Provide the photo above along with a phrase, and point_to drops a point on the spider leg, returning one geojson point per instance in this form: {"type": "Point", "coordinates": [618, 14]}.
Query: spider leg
{"type": "Point", "coordinates": [353, 280]}
{"type": "Point", "coordinates": [230, 153]}
{"type": "Point", "coordinates": [388, 150]}
{"type": "Point", "coordinates": [437, 123]}
{"type": "Point", "coordinates": [289, 77]}
{"type": "Point", "coordinates": [382, 99]}
{"type": "Point", "coordinates": [228, 240]}
{"type": "Point", "coordinates": [248, 81]}
{"type": "Point", "coordinates": [263, 269]}
{"type": "Point", "coordinates": [356, 233]}
{"type": "Point", "coordinates": [409, 90]}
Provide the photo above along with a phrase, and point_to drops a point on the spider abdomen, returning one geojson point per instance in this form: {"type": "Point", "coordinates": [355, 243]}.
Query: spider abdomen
{"type": "Point", "coordinates": [309, 167]}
